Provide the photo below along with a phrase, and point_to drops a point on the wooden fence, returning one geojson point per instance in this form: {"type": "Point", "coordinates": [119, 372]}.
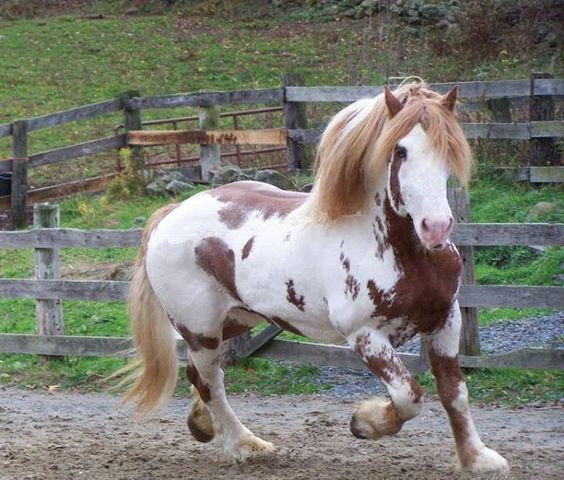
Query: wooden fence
{"type": "Point", "coordinates": [50, 289]}
{"type": "Point", "coordinates": [541, 129]}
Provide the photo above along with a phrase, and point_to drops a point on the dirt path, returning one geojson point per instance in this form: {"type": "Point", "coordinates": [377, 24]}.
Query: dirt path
{"type": "Point", "coordinates": [71, 436]}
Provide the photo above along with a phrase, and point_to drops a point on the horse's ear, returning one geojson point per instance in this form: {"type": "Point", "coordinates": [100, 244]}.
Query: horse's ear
{"type": "Point", "coordinates": [449, 100]}
{"type": "Point", "coordinates": [392, 103]}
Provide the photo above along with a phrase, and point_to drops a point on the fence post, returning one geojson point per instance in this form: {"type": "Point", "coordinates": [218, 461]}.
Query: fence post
{"type": "Point", "coordinates": [18, 196]}
{"type": "Point", "coordinates": [543, 150]}
{"type": "Point", "coordinates": [49, 315]}
{"type": "Point", "coordinates": [469, 336]}
{"type": "Point", "coordinates": [210, 155]}
{"type": "Point", "coordinates": [295, 116]}
{"type": "Point", "coordinates": [132, 121]}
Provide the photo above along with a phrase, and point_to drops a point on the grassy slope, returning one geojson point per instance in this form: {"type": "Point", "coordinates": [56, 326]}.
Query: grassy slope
{"type": "Point", "coordinates": [60, 62]}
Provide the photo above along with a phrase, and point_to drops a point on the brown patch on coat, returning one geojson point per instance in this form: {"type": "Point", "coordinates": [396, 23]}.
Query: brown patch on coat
{"type": "Point", "coordinates": [352, 286]}
{"type": "Point", "coordinates": [448, 375]}
{"type": "Point", "coordinates": [284, 325]}
{"type": "Point", "coordinates": [293, 297]}
{"type": "Point", "coordinates": [232, 328]}
{"type": "Point", "coordinates": [428, 281]}
{"type": "Point", "coordinates": [247, 248]}
{"type": "Point", "coordinates": [218, 260]}
{"type": "Point", "coordinates": [195, 379]}
{"type": "Point", "coordinates": [377, 199]}
{"type": "Point", "coordinates": [243, 198]}
{"type": "Point", "coordinates": [196, 341]}
{"type": "Point", "coordinates": [395, 188]}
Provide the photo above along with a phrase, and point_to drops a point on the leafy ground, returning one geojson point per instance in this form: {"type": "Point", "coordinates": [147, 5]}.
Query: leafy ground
{"type": "Point", "coordinates": [62, 61]}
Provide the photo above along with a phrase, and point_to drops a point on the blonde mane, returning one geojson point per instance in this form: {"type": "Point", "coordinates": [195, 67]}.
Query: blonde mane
{"type": "Point", "coordinates": [358, 141]}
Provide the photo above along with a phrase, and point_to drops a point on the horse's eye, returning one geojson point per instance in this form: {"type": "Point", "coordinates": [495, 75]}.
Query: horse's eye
{"type": "Point", "coordinates": [401, 153]}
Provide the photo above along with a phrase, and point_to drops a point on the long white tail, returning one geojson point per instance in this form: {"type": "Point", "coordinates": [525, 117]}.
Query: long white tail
{"type": "Point", "coordinates": [155, 369]}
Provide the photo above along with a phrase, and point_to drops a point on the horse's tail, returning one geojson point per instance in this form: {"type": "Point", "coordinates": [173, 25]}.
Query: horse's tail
{"type": "Point", "coordinates": [152, 375]}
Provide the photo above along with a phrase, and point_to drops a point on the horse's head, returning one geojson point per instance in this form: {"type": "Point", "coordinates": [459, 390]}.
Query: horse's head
{"type": "Point", "coordinates": [414, 131]}
{"type": "Point", "coordinates": [418, 168]}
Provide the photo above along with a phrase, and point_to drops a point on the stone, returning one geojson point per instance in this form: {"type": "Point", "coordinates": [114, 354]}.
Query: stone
{"type": "Point", "coordinates": [541, 209]}
{"type": "Point", "coordinates": [155, 188]}
{"type": "Point", "coordinates": [169, 175]}
{"type": "Point", "coordinates": [274, 178]}
{"type": "Point", "coordinates": [228, 174]}
{"type": "Point", "coordinates": [176, 187]}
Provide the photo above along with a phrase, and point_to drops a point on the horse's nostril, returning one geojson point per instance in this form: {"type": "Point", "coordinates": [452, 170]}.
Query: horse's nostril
{"type": "Point", "coordinates": [425, 225]}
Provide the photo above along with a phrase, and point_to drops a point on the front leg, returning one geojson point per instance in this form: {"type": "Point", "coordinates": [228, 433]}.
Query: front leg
{"type": "Point", "coordinates": [442, 347]}
{"type": "Point", "coordinates": [379, 416]}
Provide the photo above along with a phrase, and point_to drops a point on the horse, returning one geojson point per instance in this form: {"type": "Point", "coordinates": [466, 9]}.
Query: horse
{"type": "Point", "coordinates": [365, 258]}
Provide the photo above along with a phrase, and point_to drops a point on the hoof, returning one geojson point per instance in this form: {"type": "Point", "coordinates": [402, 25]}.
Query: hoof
{"type": "Point", "coordinates": [486, 461]}
{"type": "Point", "coordinates": [374, 419]}
{"type": "Point", "coordinates": [250, 447]}
{"type": "Point", "coordinates": [200, 422]}
{"type": "Point", "coordinates": [200, 433]}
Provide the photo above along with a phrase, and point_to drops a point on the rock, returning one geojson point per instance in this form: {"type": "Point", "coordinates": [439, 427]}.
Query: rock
{"type": "Point", "coordinates": [541, 209]}
{"type": "Point", "coordinates": [176, 187]}
{"type": "Point", "coordinates": [169, 175]}
{"type": "Point", "coordinates": [139, 222]}
{"type": "Point", "coordinates": [131, 11]}
{"type": "Point", "coordinates": [274, 178]}
{"type": "Point", "coordinates": [155, 188]}
{"type": "Point", "coordinates": [307, 188]}
{"type": "Point", "coordinates": [228, 174]}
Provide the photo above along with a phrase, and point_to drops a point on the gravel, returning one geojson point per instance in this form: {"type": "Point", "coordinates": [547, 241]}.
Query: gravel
{"type": "Point", "coordinates": [545, 331]}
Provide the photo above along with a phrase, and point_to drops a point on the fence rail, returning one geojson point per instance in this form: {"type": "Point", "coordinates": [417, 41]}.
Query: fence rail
{"type": "Point", "coordinates": [464, 234]}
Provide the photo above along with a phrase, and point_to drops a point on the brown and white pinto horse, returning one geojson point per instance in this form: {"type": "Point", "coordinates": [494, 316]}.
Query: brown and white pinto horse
{"type": "Point", "coordinates": [365, 258]}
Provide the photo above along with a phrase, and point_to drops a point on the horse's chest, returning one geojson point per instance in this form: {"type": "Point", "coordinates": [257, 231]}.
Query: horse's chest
{"type": "Point", "coordinates": [421, 298]}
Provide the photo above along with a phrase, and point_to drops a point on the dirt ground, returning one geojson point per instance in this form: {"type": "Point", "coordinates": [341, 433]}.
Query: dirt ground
{"type": "Point", "coordinates": [73, 436]}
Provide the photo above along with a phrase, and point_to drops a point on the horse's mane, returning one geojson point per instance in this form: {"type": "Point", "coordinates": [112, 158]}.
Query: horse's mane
{"type": "Point", "coordinates": [358, 141]}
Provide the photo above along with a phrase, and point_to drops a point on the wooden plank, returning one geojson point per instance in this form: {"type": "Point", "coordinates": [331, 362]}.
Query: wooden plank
{"type": "Point", "coordinates": [547, 129]}
{"type": "Point", "coordinates": [5, 130]}
{"type": "Point", "coordinates": [551, 174]}
{"type": "Point", "coordinates": [71, 289]}
{"type": "Point", "coordinates": [475, 234]}
{"type": "Point", "coordinates": [302, 135]}
{"type": "Point", "coordinates": [132, 121]}
{"type": "Point", "coordinates": [543, 358]}
{"type": "Point", "coordinates": [326, 355]}
{"type": "Point", "coordinates": [517, 296]}
{"type": "Point", "coordinates": [285, 350]}
{"type": "Point", "coordinates": [49, 313]}
{"type": "Point", "coordinates": [467, 90]}
{"type": "Point", "coordinates": [295, 116]}
{"type": "Point", "coordinates": [210, 155]}
{"type": "Point", "coordinates": [70, 237]}
{"type": "Point", "coordinates": [343, 94]}
{"type": "Point", "coordinates": [78, 150]}
{"type": "Point", "coordinates": [517, 131]}
{"type": "Point", "coordinates": [260, 339]}
{"type": "Point", "coordinates": [18, 195]}
{"type": "Point", "coordinates": [203, 99]}
{"type": "Point", "coordinates": [543, 149]}
{"type": "Point", "coordinates": [469, 336]}
{"type": "Point", "coordinates": [79, 113]}
{"type": "Point", "coordinates": [490, 234]}
{"type": "Point", "coordinates": [66, 345]}
{"type": "Point", "coordinates": [274, 136]}
{"type": "Point", "coordinates": [90, 185]}
{"type": "Point", "coordinates": [548, 86]}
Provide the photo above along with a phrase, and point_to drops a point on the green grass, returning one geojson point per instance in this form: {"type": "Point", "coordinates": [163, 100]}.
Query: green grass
{"type": "Point", "coordinates": [508, 387]}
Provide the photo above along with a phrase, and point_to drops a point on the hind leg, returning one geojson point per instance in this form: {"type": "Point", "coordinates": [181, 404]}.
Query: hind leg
{"type": "Point", "coordinates": [205, 374]}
